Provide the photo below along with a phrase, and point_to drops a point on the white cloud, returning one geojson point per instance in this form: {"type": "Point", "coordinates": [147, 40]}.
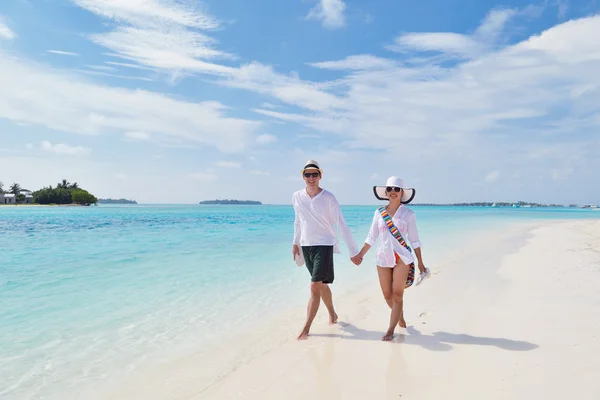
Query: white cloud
{"type": "Point", "coordinates": [492, 176]}
{"type": "Point", "coordinates": [5, 31]}
{"type": "Point", "coordinates": [206, 176]}
{"type": "Point", "coordinates": [330, 13]}
{"type": "Point", "coordinates": [29, 146]}
{"type": "Point", "coordinates": [228, 164]}
{"type": "Point", "coordinates": [286, 88]}
{"type": "Point", "coordinates": [265, 138]}
{"type": "Point", "coordinates": [445, 42]}
{"type": "Point", "coordinates": [173, 48]}
{"type": "Point", "coordinates": [486, 36]}
{"type": "Point", "coordinates": [38, 95]}
{"type": "Point", "coordinates": [121, 176]}
{"type": "Point", "coordinates": [101, 68]}
{"type": "Point", "coordinates": [129, 65]}
{"type": "Point", "coordinates": [64, 149]}
{"type": "Point", "coordinates": [63, 53]}
{"type": "Point", "coordinates": [259, 173]}
{"type": "Point", "coordinates": [136, 135]}
{"type": "Point", "coordinates": [359, 62]}
{"type": "Point", "coordinates": [127, 77]}
{"type": "Point", "coordinates": [159, 34]}
{"type": "Point", "coordinates": [144, 12]}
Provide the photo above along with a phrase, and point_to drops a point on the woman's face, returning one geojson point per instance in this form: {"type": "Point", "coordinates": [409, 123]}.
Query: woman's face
{"type": "Point", "coordinates": [394, 193]}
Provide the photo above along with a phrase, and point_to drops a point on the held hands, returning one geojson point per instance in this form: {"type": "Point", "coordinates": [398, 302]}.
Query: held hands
{"type": "Point", "coordinates": [357, 259]}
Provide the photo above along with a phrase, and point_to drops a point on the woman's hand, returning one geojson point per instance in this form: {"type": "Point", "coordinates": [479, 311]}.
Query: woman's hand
{"type": "Point", "coordinates": [295, 250]}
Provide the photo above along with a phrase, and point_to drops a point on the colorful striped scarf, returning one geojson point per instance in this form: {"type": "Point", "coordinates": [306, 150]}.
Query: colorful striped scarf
{"type": "Point", "coordinates": [396, 233]}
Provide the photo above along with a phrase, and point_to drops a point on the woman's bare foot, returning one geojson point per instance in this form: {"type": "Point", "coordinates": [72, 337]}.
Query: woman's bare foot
{"type": "Point", "coordinates": [402, 322]}
{"type": "Point", "coordinates": [333, 319]}
{"type": "Point", "coordinates": [303, 335]}
{"type": "Point", "coordinates": [389, 335]}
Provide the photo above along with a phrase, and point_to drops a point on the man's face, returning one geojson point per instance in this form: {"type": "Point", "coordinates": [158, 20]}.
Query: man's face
{"type": "Point", "coordinates": [311, 177]}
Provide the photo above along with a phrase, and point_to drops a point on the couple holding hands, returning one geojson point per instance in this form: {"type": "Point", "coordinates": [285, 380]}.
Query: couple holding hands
{"type": "Point", "coordinates": [317, 213]}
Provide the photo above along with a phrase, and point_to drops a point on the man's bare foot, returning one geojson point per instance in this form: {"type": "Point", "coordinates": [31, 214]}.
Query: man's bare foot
{"type": "Point", "coordinates": [303, 335]}
{"type": "Point", "coordinates": [389, 335]}
{"type": "Point", "coordinates": [333, 319]}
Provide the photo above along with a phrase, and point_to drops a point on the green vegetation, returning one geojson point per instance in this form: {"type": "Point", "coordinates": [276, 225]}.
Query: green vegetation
{"type": "Point", "coordinates": [83, 197]}
{"type": "Point", "coordinates": [64, 193]}
{"type": "Point", "coordinates": [231, 202]}
{"type": "Point", "coordinates": [15, 189]}
{"type": "Point", "coordinates": [490, 204]}
{"type": "Point", "coordinates": [116, 201]}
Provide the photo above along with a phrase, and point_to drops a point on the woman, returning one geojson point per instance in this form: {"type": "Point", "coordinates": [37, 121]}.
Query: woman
{"type": "Point", "coordinates": [393, 224]}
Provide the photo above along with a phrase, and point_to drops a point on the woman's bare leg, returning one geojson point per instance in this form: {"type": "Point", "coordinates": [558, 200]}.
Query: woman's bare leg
{"type": "Point", "coordinates": [385, 281]}
{"type": "Point", "coordinates": [399, 274]}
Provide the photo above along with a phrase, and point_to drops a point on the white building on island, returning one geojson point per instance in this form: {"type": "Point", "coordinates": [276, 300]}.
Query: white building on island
{"type": "Point", "coordinates": [8, 198]}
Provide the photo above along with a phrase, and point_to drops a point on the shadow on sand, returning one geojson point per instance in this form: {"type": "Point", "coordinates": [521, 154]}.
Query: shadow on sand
{"type": "Point", "coordinates": [437, 341]}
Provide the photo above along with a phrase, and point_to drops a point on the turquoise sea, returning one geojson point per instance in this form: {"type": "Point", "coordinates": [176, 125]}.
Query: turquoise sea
{"type": "Point", "coordinates": [88, 293]}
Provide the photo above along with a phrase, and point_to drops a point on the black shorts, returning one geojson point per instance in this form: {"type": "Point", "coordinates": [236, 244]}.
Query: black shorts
{"type": "Point", "coordinates": [319, 262]}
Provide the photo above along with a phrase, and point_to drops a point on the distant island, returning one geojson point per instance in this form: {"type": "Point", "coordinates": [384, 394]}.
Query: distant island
{"type": "Point", "coordinates": [116, 201]}
{"type": "Point", "coordinates": [232, 202]}
{"type": "Point", "coordinates": [490, 204]}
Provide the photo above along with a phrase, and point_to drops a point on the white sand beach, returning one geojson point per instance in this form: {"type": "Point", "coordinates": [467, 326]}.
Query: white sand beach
{"type": "Point", "coordinates": [512, 315]}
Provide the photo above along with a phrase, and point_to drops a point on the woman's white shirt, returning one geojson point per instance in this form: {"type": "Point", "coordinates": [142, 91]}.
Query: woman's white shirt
{"type": "Point", "coordinates": [405, 221]}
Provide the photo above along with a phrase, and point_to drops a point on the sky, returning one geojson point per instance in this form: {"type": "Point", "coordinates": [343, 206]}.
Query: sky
{"type": "Point", "coordinates": [178, 101]}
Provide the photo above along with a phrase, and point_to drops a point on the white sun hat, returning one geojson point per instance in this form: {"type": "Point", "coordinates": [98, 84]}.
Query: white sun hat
{"type": "Point", "coordinates": [393, 181]}
{"type": "Point", "coordinates": [312, 164]}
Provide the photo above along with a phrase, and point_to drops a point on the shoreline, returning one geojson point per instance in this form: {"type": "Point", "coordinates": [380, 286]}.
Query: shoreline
{"type": "Point", "coordinates": [480, 311]}
{"type": "Point", "coordinates": [192, 373]}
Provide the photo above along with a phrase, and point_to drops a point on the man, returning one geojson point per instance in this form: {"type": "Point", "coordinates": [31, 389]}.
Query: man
{"type": "Point", "coordinates": [317, 213]}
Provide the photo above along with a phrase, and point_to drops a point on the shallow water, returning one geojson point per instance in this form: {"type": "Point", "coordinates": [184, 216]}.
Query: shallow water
{"type": "Point", "coordinates": [89, 292]}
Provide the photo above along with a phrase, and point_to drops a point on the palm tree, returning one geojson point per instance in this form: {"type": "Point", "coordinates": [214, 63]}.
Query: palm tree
{"type": "Point", "coordinates": [63, 185]}
{"type": "Point", "coordinates": [1, 187]}
{"type": "Point", "coordinates": [74, 186]}
{"type": "Point", "coordinates": [15, 189]}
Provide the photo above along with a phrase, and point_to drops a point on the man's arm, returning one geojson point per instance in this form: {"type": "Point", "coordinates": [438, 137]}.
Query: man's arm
{"type": "Point", "coordinates": [343, 227]}
{"type": "Point", "coordinates": [297, 231]}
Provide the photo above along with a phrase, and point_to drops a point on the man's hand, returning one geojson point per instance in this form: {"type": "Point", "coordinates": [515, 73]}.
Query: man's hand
{"type": "Point", "coordinates": [295, 250]}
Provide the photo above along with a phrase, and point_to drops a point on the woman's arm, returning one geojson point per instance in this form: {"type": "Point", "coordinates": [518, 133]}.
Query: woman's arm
{"type": "Point", "coordinates": [413, 237]}
{"type": "Point", "coordinates": [369, 241]}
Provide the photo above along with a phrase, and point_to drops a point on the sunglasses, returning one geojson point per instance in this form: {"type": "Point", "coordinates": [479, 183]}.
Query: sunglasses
{"type": "Point", "coordinates": [312, 174]}
{"type": "Point", "coordinates": [395, 189]}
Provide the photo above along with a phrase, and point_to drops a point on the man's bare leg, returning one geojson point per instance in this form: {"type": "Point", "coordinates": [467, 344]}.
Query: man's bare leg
{"type": "Point", "coordinates": [313, 307]}
{"type": "Point", "coordinates": [328, 300]}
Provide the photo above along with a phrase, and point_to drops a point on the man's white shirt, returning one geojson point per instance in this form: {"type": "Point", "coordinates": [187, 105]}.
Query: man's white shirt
{"type": "Point", "coordinates": [316, 220]}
